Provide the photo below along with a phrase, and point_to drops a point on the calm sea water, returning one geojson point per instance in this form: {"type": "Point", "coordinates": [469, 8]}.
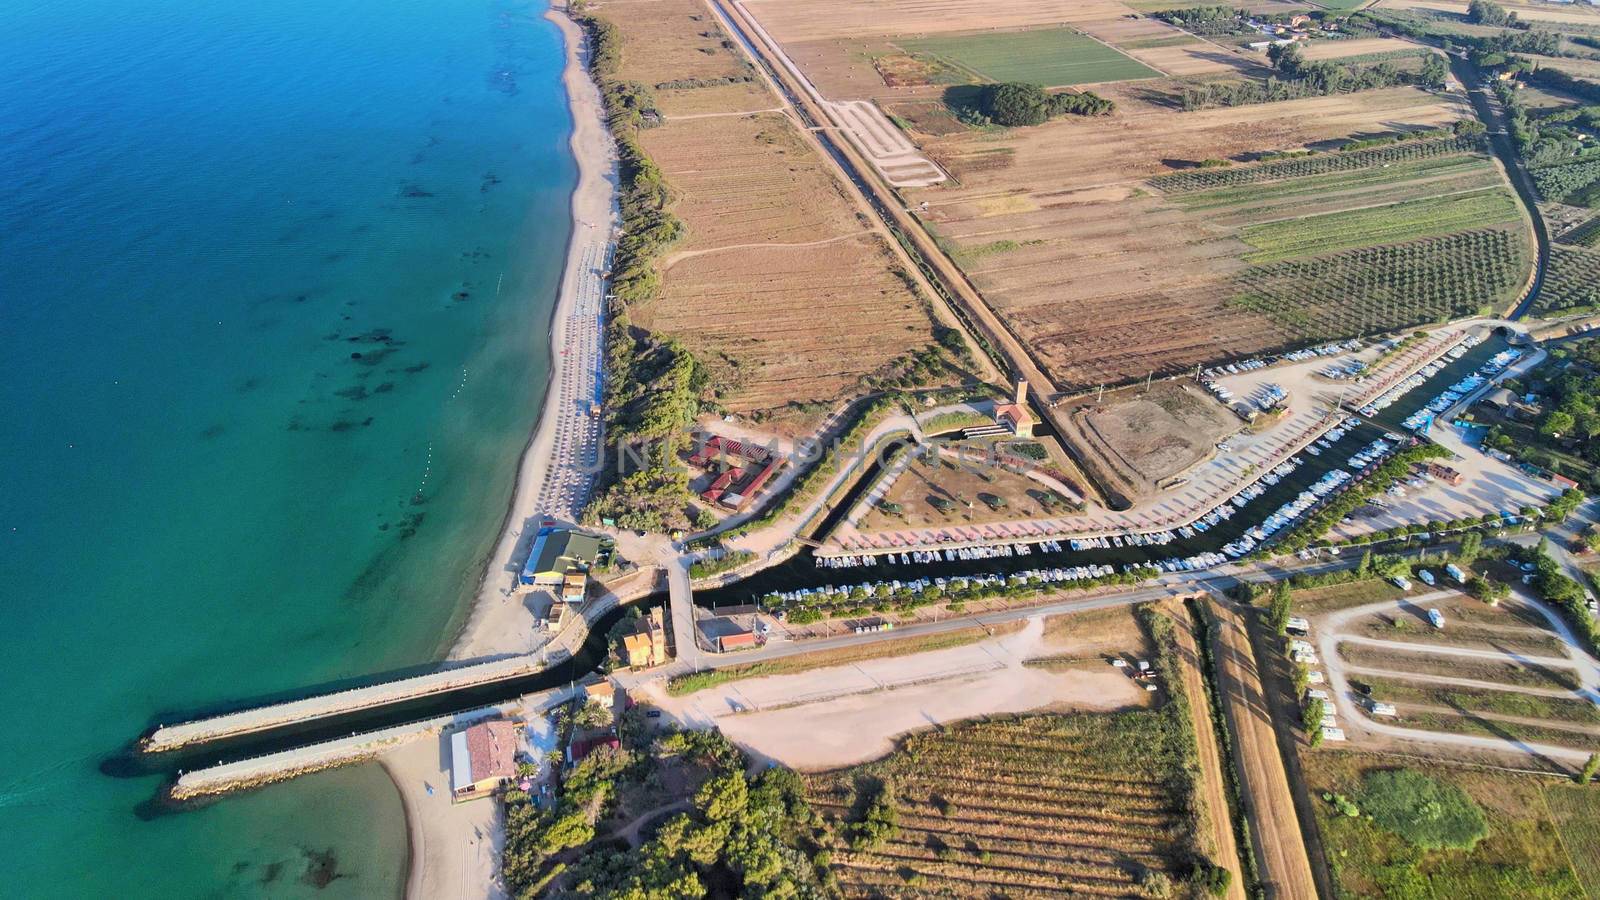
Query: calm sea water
{"type": "Point", "coordinates": [275, 281]}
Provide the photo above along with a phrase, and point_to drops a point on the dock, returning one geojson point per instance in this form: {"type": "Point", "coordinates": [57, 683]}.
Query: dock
{"type": "Point", "coordinates": [167, 738]}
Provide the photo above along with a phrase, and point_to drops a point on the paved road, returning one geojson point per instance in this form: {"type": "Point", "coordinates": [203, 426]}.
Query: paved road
{"type": "Point", "coordinates": [1493, 117]}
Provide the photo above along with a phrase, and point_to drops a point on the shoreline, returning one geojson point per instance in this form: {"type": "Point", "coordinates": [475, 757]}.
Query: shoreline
{"type": "Point", "coordinates": [498, 621]}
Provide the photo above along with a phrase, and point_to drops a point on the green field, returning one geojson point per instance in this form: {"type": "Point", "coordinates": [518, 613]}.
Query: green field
{"type": "Point", "coordinates": [1382, 288]}
{"type": "Point", "coordinates": [1529, 852]}
{"type": "Point", "coordinates": [1390, 224]}
{"type": "Point", "coordinates": [1573, 283]}
{"type": "Point", "coordinates": [1577, 817]}
{"type": "Point", "coordinates": [1052, 57]}
{"type": "Point", "coordinates": [1433, 176]}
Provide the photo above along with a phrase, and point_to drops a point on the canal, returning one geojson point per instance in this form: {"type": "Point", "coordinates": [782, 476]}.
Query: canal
{"type": "Point", "coordinates": [801, 571]}
{"type": "Point", "coordinates": [798, 572]}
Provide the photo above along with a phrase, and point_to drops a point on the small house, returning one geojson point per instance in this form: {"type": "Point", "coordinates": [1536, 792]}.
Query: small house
{"type": "Point", "coordinates": [738, 640]}
{"type": "Point", "coordinates": [1014, 416]}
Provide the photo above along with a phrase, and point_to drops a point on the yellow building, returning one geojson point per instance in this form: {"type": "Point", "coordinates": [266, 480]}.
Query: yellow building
{"type": "Point", "coordinates": [647, 645]}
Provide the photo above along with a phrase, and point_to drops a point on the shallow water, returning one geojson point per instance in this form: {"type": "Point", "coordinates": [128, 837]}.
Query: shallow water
{"type": "Point", "coordinates": [275, 282]}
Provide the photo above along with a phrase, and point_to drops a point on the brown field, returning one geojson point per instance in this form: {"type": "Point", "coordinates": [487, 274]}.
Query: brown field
{"type": "Point", "coordinates": [973, 482]}
{"type": "Point", "coordinates": [672, 40]}
{"type": "Point", "coordinates": [1199, 57]}
{"type": "Point", "coordinates": [1278, 842]}
{"type": "Point", "coordinates": [1582, 68]}
{"type": "Point", "coordinates": [1151, 436]}
{"type": "Point", "coordinates": [1357, 47]}
{"type": "Point", "coordinates": [780, 285]}
{"type": "Point", "coordinates": [1573, 13]}
{"type": "Point", "coordinates": [791, 21]}
{"type": "Point", "coordinates": [1105, 279]}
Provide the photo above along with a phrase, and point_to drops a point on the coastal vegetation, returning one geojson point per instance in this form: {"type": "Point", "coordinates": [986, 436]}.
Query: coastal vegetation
{"type": "Point", "coordinates": [749, 835]}
{"type": "Point", "coordinates": [710, 256]}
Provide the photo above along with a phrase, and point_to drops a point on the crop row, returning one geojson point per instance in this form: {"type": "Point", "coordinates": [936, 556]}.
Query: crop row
{"type": "Point", "coordinates": [1585, 235]}
{"type": "Point", "coordinates": [1559, 183]}
{"type": "Point", "coordinates": [1384, 288]}
{"type": "Point", "coordinates": [1316, 164]}
{"type": "Point", "coordinates": [1573, 282]}
{"type": "Point", "coordinates": [1376, 225]}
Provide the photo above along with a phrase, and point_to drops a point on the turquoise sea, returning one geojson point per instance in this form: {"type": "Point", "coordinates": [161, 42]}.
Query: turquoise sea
{"type": "Point", "coordinates": [275, 283]}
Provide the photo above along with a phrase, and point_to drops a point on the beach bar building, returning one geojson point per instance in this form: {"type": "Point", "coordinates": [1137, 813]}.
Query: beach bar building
{"type": "Point", "coordinates": [559, 562]}
{"type": "Point", "coordinates": [482, 758]}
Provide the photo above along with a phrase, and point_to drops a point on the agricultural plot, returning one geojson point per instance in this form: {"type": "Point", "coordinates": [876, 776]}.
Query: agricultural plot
{"type": "Point", "coordinates": [1573, 183]}
{"type": "Point", "coordinates": [1110, 264]}
{"type": "Point", "coordinates": [1405, 154]}
{"type": "Point", "coordinates": [1573, 283]}
{"type": "Point", "coordinates": [1585, 235]}
{"type": "Point", "coordinates": [1297, 238]}
{"type": "Point", "coordinates": [1548, 14]}
{"type": "Point", "coordinates": [778, 284]}
{"type": "Point", "coordinates": [1024, 807]}
{"type": "Point", "coordinates": [792, 21]}
{"type": "Point", "coordinates": [1526, 847]}
{"type": "Point", "coordinates": [1385, 288]}
{"type": "Point", "coordinates": [1052, 57]}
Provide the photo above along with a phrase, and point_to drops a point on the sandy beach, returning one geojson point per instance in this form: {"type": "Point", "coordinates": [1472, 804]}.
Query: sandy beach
{"type": "Point", "coordinates": [500, 621]}
{"type": "Point", "coordinates": [455, 847]}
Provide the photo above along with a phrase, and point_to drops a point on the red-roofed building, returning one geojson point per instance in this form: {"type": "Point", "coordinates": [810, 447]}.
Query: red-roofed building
{"type": "Point", "coordinates": [482, 758]}
{"type": "Point", "coordinates": [746, 469]}
{"type": "Point", "coordinates": [578, 749]}
{"type": "Point", "coordinates": [1015, 415]}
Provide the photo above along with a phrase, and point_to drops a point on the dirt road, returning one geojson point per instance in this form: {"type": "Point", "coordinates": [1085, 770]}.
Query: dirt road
{"type": "Point", "coordinates": [1212, 782]}
{"type": "Point", "coordinates": [1279, 846]}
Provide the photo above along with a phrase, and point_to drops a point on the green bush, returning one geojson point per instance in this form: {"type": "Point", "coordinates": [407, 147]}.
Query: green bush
{"type": "Point", "coordinates": [1430, 814]}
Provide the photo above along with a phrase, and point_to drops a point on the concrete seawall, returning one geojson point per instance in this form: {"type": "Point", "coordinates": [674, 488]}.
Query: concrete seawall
{"type": "Point", "coordinates": [174, 737]}
{"type": "Point", "coordinates": [281, 766]}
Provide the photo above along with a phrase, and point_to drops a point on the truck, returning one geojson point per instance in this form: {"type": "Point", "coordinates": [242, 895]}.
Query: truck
{"type": "Point", "coordinates": [1427, 577]}
{"type": "Point", "coordinates": [1298, 626]}
{"type": "Point", "coordinates": [1436, 618]}
{"type": "Point", "coordinates": [1454, 571]}
{"type": "Point", "coordinates": [1378, 708]}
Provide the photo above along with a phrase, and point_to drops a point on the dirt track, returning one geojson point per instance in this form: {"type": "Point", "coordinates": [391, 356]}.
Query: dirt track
{"type": "Point", "coordinates": [1279, 846]}
{"type": "Point", "coordinates": [1211, 779]}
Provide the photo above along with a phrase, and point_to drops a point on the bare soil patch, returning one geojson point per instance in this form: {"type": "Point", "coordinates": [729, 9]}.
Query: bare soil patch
{"type": "Point", "coordinates": [1158, 433]}
{"type": "Point", "coordinates": [780, 284]}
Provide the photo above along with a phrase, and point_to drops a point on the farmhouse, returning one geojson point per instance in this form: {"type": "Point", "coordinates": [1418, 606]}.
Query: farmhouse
{"type": "Point", "coordinates": [482, 758]}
